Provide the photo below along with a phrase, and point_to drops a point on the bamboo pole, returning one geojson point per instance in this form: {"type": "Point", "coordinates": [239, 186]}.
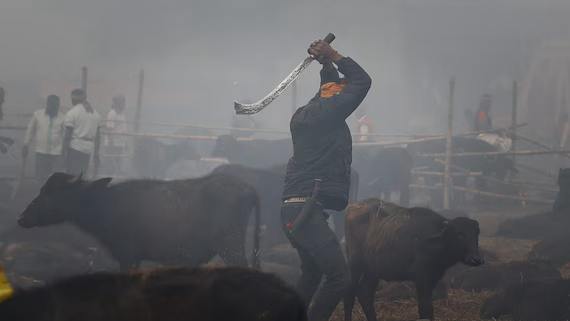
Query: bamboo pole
{"type": "Point", "coordinates": [520, 152]}
{"type": "Point", "coordinates": [173, 136]}
{"type": "Point", "coordinates": [431, 173]}
{"type": "Point", "coordinates": [139, 101]}
{"type": "Point", "coordinates": [514, 119]}
{"type": "Point", "coordinates": [84, 79]}
{"type": "Point", "coordinates": [448, 146]}
{"type": "Point", "coordinates": [489, 194]}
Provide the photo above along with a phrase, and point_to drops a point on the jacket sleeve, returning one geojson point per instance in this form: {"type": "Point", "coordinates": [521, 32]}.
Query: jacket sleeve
{"type": "Point", "coordinates": [31, 130]}
{"type": "Point", "coordinates": [328, 74]}
{"type": "Point", "coordinates": [334, 110]}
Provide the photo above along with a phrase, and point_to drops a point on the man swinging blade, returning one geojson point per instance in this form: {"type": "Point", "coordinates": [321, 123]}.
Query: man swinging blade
{"type": "Point", "coordinates": [260, 105]}
{"type": "Point", "coordinates": [318, 178]}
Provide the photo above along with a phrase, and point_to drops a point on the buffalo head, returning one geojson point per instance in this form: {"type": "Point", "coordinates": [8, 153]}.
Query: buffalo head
{"type": "Point", "coordinates": [457, 239]}
{"type": "Point", "coordinates": [60, 199]}
{"type": "Point", "coordinates": [462, 238]}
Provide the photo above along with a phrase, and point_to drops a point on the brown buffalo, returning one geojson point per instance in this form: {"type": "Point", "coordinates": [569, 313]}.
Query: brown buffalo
{"type": "Point", "coordinates": [220, 294]}
{"type": "Point", "coordinates": [172, 222]}
{"type": "Point", "coordinates": [392, 243]}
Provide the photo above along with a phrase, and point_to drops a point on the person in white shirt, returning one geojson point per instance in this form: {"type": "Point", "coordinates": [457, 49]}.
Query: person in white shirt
{"type": "Point", "coordinates": [116, 123]}
{"type": "Point", "coordinates": [82, 134]}
{"type": "Point", "coordinates": [46, 131]}
{"type": "Point", "coordinates": [116, 145]}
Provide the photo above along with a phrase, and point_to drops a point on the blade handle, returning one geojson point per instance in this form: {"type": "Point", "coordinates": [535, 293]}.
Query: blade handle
{"type": "Point", "coordinates": [329, 38]}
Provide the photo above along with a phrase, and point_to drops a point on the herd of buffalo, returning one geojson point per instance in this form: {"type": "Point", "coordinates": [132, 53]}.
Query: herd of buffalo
{"type": "Point", "coordinates": [232, 213]}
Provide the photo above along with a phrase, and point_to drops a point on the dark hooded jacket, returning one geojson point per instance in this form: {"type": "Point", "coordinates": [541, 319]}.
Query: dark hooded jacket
{"type": "Point", "coordinates": [322, 144]}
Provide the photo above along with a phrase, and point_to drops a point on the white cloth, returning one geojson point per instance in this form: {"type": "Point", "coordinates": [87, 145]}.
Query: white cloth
{"type": "Point", "coordinates": [84, 126]}
{"type": "Point", "coordinates": [503, 144]}
{"type": "Point", "coordinates": [116, 123]}
{"type": "Point", "coordinates": [46, 132]}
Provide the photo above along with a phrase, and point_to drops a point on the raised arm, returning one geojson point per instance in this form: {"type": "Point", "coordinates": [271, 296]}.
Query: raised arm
{"type": "Point", "coordinates": [333, 110]}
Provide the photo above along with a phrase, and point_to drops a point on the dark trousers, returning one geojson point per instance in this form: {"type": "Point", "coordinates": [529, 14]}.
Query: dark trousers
{"type": "Point", "coordinates": [46, 165]}
{"type": "Point", "coordinates": [324, 273]}
{"type": "Point", "coordinates": [77, 162]}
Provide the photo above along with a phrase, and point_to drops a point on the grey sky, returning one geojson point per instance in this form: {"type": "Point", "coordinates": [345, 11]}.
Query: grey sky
{"type": "Point", "coordinates": [200, 55]}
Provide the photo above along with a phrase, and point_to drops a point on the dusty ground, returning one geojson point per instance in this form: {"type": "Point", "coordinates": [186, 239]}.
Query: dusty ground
{"type": "Point", "coordinates": [459, 305]}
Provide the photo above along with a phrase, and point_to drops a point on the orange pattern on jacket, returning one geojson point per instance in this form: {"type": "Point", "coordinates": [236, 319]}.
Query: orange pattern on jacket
{"type": "Point", "coordinates": [331, 89]}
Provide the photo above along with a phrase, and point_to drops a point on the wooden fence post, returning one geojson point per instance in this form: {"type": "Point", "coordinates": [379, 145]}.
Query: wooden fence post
{"type": "Point", "coordinates": [514, 118]}
{"type": "Point", "coordinates": [84, 79]}
{"type": "Point", "coordinates": [139, 101]}
{"type": "Point", "coordinates": [448, 149]}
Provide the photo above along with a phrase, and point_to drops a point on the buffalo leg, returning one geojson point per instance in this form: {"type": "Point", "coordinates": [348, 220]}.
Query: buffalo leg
{"type": "Point", "coordinates": [368, 287]}
{"type": "Point", "coordinates": [424, 289]}
{"type": "Point", "coordinates": [233, 253]}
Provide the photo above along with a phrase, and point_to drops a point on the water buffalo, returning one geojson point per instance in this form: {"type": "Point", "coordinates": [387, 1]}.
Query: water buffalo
{"type": "Point", "coordinates": [204, 294]}
{"type": "Point", "coordinates": [554, 249]}
{"type": "Point", "coordinates": [258, 154]}
{"type": "Point", "coordinates": [496, 276]}
{"type": "Point", "coordinates": [529, 301]}
{"type": "Point", "coordinates": [537, 226]}
{"type": "Point", "coordinates": [269, 185]}
{"type": "Point", "coordinates": [152, 158]}
{"type": "Point", "coordinates": [172, 222]}
{"type": "Point", "coordinates": [392, 243]}
{"type": "Point", "coordinates": [383, 171]}
{"type": "Point", "coordinates": [498, 166]}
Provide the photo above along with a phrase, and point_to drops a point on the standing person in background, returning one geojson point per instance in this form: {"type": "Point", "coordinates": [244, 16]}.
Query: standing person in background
{"type": "Point", "coordinates": [116, 124]}
{"type": "Point", "coordinates": [483, 120]}
{"type": "Point", "coordinates": [365, 126]}
{"type": "Point", "coordinates": [45, 129]}
{"type": "Point", "coordinates": [322, 149]}
{"type": "Point", "coordinates": [82, 134]}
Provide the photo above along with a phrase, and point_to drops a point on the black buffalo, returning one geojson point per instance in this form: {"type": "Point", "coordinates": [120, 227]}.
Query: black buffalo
{"type": "Point", "coordinates": [555, 249]}
{"type": "Point", "coordinates": [530, 301]}
{"type": "Point", "coordinates": [219, 294]}
{"type": "Point", "coordinates": [152, 157]}
{"type": "Point", "coordinates": [383, 171]}
{"type": "Point", "coordinates": [496, 276]}
{"type": "Point", "coordinates": [257, 153]}
{"type": "Point", "coordinates": [172, 222]}
{"type": "Point", "coordinates": [537, 226]}
{"type": "Point", "coordinates": [392, 243]}
{"type": "Point", "coordinates": [496, 166]}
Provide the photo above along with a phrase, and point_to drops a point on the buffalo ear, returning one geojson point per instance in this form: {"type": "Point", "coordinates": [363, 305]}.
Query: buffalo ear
{"type": "Point", "coordinates": [100, 183]}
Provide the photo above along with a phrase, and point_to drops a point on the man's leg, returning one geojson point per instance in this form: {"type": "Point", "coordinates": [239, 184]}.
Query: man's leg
{"type": "Point", "coordinates": [331, 262]}
{"type": "Point", "coordinates": [310, 276]}
{"type": "Point", "coordinates": [78, 162]}
{"type": "Point", "coordinates": [44, 166]}
{"type": "Point", "coordinates": [321, 254]}
{"type": "Point", "coordinates": [310, 273]}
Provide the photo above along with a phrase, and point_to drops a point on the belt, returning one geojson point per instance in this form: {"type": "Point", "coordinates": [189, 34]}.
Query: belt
{"type": "Point", "coordinates": [296, 200]}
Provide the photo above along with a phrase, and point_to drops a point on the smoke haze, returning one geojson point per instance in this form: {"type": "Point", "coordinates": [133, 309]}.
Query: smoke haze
{"type": "Point", "coordinates": [199, 56]}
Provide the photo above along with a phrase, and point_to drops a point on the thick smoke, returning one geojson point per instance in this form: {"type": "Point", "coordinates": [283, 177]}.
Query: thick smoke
{"type": "Point", "coordinates": [201, 55]}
